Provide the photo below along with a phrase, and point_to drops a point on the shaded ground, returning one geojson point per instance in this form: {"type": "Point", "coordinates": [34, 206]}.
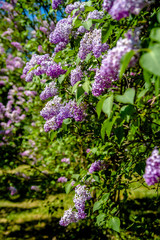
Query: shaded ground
{"type": "Point", "coordinates": [141, 221]}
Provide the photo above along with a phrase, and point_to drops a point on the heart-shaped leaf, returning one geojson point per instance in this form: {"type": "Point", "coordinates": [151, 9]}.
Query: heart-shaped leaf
{"type": "Point", "coordinates": [127, 97]}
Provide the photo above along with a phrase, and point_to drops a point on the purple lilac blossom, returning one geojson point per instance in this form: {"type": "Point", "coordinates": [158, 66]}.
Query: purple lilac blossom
{"type": "Point", "coordinates": [88, 150]}
{"type": "Point", "coordinates": [123, 8]}
{"type": "Point", "coordinates": [82, 194]}
{"type": "Point", "coordinates": [62, 179]}
{"type": "Point", "coordinates": [109, 70]}
{"type": "Point", "coordinates": [49, 91]}
{"type": "Point", "coordinates": [91, 42]}
{"type": "Point", "coordinates": [56, 3]}
{"type": "Point", "coordinates": [152, 170]}
{"type": "Point", "coordinates": [62, 31]}
{"type": "Point", "coordinates": [13, 190]}
{"type": "Point", "coordinates": [47, 66]}
{"type": "Point", "coordinates": [107, 4]}
{"type": "Point", "coordinates": [97, 166]}
{"type": "Point", "coordinates": [60, 46]}
{"type": "Point", "coordinates": [76, 75]}
{"type": "Point", "coordinates": [55, 112]}
{"type": "Point", "coordinates": [71, 7]}
{"type": "Point", "coordinates": [95, 15]}
{"type": "Point", "coordinates": [68, 217]}
{"type": "Point", "coordinates": [66, 160]}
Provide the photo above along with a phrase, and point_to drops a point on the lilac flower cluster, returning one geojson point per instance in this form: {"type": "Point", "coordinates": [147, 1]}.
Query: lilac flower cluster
{"type": "Point", "coordinates": [97, 166]}
{"type": "Point", "coordinates": [14, 62]}
{"type": "Point", "coordinates": [66, 160]}
{"type": "Point", "coordinates": [46, 28]}
{"type": "Point", "coordinates": [13, 112]}
{"type": "Point", "coordinates": [6, 6]}
{"type": "Point", "coordinates": [44, 64]}
{"type": "Point", "coordinates": [95, 15]}
{"type": "Point", "coordinates": [82, 194]}
{"type": "Point", "coordinates": [35, 188]}
{"type": "Point", "coordinates": [75, 5]}
{"type": "Point", "coordinates": [13, 190]}
{"type": "Point", "coordinates": [17, 45]}
{"type": "Point", "coordinates": [152, 170]}
{"type": "Point", "coordinates": [92, 42]}
{"type": "Point", "coordinates": [61, 33]}
{"type": "Point", "coordinates": [122, 8]}
{"type": "Point", "coordinates": [76, 75]}
{"type": "Point", "coordinates": [49, 91]}
{"type": "Point", "coordinates": [56, 3]}
{"type": "Point", "coordinates": [109, 70]}
{"type": "Point", "coordinates": [55, 112]}
{"type": "Point", "coordinates": [62, 179]}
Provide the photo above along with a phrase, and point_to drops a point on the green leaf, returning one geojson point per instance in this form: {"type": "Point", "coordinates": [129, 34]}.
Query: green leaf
{"type": "Point", "coordinates": [76, 22]}
{"type": "Point", "coordinates": [147, 77]}
{"type": "Point", "coordinates": [107, 105]}
{"type": "Point", "coordinates": [155, 34]}
{"type": "Point", "coordinates": [68, 187]}
{"type": "Point", "coordinates": [105, 197]}
{"type": "Point", "coordinates": [100, 219]}
{"type": "Point", "coordinates": [127, 97]}
{"type": "Point", "coordinates": [99, 106]}
{"type": "Point", "coordinates": [157, 86]}
{"type": "Point", "coordinates": [127, 111]}
{"type": "Point", "coordinates": [75, 86]}
{"type": "Point", "coordinates": [142, 93]}
{"type": "Point", "coordinates": [151, 61]}
{"type": "Point", "coordinates": [61, 78]}
{"type": "Point", "coordinates": [89, 9]}
{"type": "Point", "coordinates": [119, 134]}
{"type": "Point", "coordinates": [158, 16]}
{"type": "Point", "coordinates": [53, 135]}
{"type": "Point", "coordinates": [79, 93]}
{"type": "Point", "coordinates": [86, 86]}
{"type": "Point", "coordinates": [88, 57]}
{"type": "Point", "coordinates": [96, 178]}
{"type": "Point", "coordinates": [114, 223]}
{"type": "Point", "coordinates": [106, 32]}
{"type": "Point", "coordinates": [87, 24]}
{"type": "Point", "coordinates": [67, 121]}
{"type": "Point", "coordinates": [97, 205]}
{"type": "Point", "coordinates": [125, 61]}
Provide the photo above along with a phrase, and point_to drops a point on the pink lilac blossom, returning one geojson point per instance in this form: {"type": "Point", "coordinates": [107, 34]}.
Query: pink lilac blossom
{"type": "Point", "coordinates": [66, 160]}
{"type": "Point", "coordinates": [35, 188]}
{"type": "Point", "coordinates": [6, 6]}
{"type": "Point", "coordinates": [14, 62]}
{"type": "Point", "coordinates": [76, 75]}
{"type": "Point", "coordinates": [88, 150]}
{"type": "Point", "coordinates": [49, 91]}
{"type": "Point", "coordinates": [97, 166]}
{"type": "Point", "coordinates": [8, 32]}
{"type": "Point", "coordinates": [62, 179]}
{"type": "Point", "coordinates": [17, 45]}
{"type": "Point", "coordinates": [2, 50]}
{"type": "Point", "coordinates": [152, 170]}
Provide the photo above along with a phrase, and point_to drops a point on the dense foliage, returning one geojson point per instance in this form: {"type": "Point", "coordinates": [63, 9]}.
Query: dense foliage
{"type": "Point", "coordinates": [79, 104]}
